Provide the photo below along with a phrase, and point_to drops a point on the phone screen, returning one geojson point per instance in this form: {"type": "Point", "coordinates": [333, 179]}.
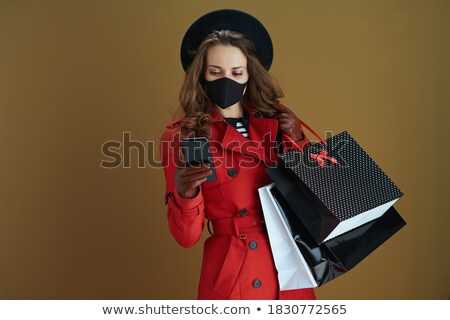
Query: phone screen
{"type": "Point", "coordinates": [197, 150]}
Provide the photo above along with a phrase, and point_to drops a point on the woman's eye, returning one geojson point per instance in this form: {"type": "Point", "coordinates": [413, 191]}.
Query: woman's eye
{"type": "Point", "coordinates": [218, 73]}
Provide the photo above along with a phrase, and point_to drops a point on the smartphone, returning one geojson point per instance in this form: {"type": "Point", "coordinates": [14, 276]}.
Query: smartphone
{"type": "Point", "coordinates": [196, 151]}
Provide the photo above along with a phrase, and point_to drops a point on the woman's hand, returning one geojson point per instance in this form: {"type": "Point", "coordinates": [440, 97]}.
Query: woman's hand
{"type": "Point", "coordinates": [289, 123]}
{"type": "Point", "coordinates": [188, 178]}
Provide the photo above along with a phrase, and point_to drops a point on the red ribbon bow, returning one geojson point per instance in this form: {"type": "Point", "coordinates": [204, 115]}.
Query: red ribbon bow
{"type": "Point", "coordinates": [321, 157]}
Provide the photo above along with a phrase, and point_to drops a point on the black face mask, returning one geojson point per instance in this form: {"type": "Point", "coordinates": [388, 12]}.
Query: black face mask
{"type": "Point", "coordinates": [225, 92]}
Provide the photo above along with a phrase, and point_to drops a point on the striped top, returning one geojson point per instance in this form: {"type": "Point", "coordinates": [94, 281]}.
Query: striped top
{"type": "Point", "coordinates": [241, 128]}
{"type": "Point", "coordinates": [240, 124]}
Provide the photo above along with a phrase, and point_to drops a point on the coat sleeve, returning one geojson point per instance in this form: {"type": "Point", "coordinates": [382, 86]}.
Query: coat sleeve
{"type": "Point", "coordinates": [186, 217]}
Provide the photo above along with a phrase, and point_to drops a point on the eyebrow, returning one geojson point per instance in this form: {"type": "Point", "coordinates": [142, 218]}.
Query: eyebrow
{"type": "Point", "coordinates": [218, 67]}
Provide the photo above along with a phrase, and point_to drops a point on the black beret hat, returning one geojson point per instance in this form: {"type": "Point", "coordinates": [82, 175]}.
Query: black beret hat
{"type": "Point", "coordinates": [233, 20]}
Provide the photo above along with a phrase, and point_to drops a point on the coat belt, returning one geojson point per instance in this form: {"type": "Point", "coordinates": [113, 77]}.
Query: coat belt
{"type": "Point", "coordinates": [237, 249]}
{"type": "Point", "coordinates": [238, 226]}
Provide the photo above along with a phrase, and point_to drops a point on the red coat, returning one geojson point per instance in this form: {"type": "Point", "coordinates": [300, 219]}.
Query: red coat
{"type": "Point", "coordinates": [237, 260]}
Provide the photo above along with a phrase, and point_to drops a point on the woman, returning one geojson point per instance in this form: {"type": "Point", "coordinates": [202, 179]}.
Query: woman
{"type": "Point", "coordinates": [228, 97]}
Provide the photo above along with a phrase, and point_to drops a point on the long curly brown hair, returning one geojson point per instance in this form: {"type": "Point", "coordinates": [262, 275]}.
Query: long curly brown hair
{"type": "Point", "coordinates": [263, 92]}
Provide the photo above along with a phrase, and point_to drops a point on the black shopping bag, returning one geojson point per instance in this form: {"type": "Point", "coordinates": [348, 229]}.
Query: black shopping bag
{"type": "Point", "coordinates": [300, 261]}
{"type": "Point", "coordinates": [336, 186]}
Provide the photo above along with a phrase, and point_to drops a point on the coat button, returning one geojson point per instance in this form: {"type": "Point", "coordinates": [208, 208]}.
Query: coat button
{"type": "Point", "coordinates": [232, 172]}
{"type": "Point", "coordinates": [243, 212]}
{"type": "Point", "coordinates": [256, 284]}
{"type": "Point", "coordinates": [253, 245]}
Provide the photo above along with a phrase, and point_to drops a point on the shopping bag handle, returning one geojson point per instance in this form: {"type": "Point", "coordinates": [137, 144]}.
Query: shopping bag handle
{"type": "Point", "coordinates": [285, 136]}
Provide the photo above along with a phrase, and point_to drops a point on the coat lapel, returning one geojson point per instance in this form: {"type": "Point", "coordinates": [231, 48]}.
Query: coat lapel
{"type": "Point", "coordinates": [262, 137]}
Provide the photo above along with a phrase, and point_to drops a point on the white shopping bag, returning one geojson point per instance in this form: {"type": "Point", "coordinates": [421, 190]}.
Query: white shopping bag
{"type": "Point", "coordinates": [293, 271]}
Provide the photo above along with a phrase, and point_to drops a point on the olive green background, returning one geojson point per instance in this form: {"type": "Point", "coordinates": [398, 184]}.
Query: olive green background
{"type": "Point", "coordinates": [76, 74]}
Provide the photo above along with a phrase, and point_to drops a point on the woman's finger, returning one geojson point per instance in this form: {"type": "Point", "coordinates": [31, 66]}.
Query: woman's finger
{"type": "Point", "coordinates": [190, 169]}
{"type": "Point", "coordinates": [180, 160]}
{"type": "Point", "coordinates": [282, 115]}
{"type": "Point", "coordinates": [196, 175]}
